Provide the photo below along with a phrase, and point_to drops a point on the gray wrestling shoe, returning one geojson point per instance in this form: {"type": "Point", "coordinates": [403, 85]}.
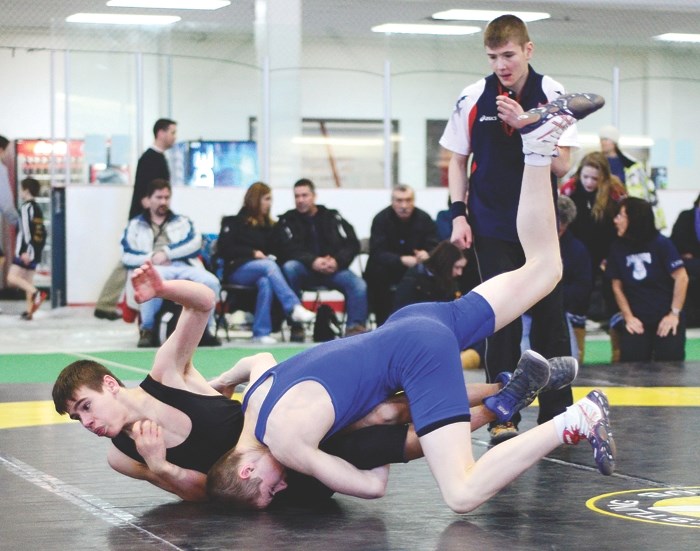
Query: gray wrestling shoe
{"type": "Point", "coordinates": [563, 372]}
{"type": "Point", "coordinates": [547, 123]}
{"type": "Point", "coordinates": [530, 376]}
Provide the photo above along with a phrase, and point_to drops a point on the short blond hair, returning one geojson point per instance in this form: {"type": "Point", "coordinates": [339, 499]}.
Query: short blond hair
{"type": "Point", "coordinates": [224, 485]}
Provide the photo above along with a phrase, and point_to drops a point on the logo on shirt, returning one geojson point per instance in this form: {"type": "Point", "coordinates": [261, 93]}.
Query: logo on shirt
{"type": "Point", "coordinates": [638, 261]}
{"type": "Point", "coordinates": [678, 507]}
{"type": "Point", "coordinates": [484, 118]}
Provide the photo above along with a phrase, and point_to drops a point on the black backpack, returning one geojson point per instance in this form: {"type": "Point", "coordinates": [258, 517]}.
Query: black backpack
{"type": "Point", "coordinates": [327, 326]}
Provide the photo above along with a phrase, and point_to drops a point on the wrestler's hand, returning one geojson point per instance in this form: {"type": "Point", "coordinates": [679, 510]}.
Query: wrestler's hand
{"type": "Point", "coordinates": [147, 282]}
{"type": "Point", "coordinates": [461, 233]}
{"type": "Point", "coordinates": [148, 437]}
{"type": "Point", "coordinates": [379, 477]}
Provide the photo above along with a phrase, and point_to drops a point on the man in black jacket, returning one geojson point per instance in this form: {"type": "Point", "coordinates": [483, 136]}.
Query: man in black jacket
{"type": "Point", "coordinates": [401, 237]}
{"type": "Point", "coordinates": [317, 246]}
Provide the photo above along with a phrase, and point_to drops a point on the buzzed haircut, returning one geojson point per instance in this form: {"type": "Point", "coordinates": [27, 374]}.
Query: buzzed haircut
{"type": "Point", "coordinates": [305, 182]}
{"type": "Point", "coordinates": [504, 29]}
{"type": "Point", "coordinates": [31, 185]}
{"type": "Point", "coordinates": [161, 124]}
{"type": "Point", "coordinates": [157, 185]}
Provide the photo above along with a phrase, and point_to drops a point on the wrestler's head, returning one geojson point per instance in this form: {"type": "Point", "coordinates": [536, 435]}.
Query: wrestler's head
{"type": "Point", "coordinates": [246, 479]}
{"type": "Point", "coordinates": [87, 391]}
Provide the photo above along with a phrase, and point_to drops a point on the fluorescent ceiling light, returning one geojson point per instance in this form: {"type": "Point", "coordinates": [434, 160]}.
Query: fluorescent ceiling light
{"type": "Point", "coordinates": [170, 4]}
{"type": "Point", "coordinates": [354, 142]}
{"type": "Point", "coordinates": [678, 37]}
{"type": "Point", "coordinates": [404, 28]}
{"type": "Point", "coordinates": [593, 140]}
{"type": "Point", "coordinates": [122, 19]}
{"type": "Point", "coordinates": [488, 15]}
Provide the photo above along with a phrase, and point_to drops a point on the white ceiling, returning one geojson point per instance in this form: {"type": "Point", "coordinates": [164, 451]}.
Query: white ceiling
{"type": "Point", "coordinates": [613, 22]}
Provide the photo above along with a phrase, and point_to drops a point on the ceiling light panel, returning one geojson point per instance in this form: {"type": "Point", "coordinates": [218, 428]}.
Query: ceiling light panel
{"type": "Point", "coordinates": [405, 28]}
{"type": "Point", "coordinates": [678, 37]}
{"type": "Point", "coordinates": [170, 4]}
{"type": "Point", "coordinates": [487, 15]}
{"type": "Point", "coordinates": [122, 19]}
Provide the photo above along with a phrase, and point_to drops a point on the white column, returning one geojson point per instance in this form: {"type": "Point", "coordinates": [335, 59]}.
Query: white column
{"type": "Point", "coordinates": [278, 43]}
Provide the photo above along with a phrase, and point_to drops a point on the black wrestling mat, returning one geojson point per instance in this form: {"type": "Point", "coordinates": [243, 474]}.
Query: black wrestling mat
{"type": "Point", "coordinates": [59, 493]}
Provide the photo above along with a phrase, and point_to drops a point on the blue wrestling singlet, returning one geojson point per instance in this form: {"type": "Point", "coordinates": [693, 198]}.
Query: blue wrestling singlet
{"type": "Point", "coordinates": [416, 350]}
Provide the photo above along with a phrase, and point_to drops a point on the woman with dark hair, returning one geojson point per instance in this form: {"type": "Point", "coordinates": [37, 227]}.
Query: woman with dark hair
{"type": "Point", "coordinates": [245, 244]}
{"type": "Point", "coordinates": [435, 280]}
{"type": "Point", "coordinates": [649, 282]}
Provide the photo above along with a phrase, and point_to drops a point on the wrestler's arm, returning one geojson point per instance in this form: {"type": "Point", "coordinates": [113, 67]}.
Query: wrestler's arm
{"type": "Point", "coordinates": [227, 382]}
{"type": "Point", "coordinates": [173, 361]}
{"type": "Point", "coordinates": [339, 475]}
{"type": "Point", "coordinates": [187, 484]}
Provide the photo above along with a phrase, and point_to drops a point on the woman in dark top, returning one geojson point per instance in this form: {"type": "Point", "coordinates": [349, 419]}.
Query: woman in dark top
{"type": "Point", "coordinates": [649, 282]}
{"type": "Point", "coordinates": [245, 244]}
{"type": "Point", "coordinates": [435, 280]}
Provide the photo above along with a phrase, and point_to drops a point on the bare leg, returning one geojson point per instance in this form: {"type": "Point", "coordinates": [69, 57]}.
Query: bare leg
{"type": "Point", "coordinates": [512, 293]}
{"type": "Point", "coordinates": [465, 484]}
{"type": "Point", "coordinates": [21, 278]}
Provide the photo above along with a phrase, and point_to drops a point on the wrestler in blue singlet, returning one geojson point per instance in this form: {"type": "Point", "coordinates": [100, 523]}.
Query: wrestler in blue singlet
{"type": "Point", "coordinates": [416, 350]}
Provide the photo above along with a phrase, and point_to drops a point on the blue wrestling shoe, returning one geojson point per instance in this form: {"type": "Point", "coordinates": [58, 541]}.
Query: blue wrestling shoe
{"type": "Point", "coordinates": [563, 371]}
{"type": "Point", "coordinates": [544, 125]}
{"type": "Point", "coordinates": [591, 422]}
{"type": "Point", "coordinates": [529, 377]}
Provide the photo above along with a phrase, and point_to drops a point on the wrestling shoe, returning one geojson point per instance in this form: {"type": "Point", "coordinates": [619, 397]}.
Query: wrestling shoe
{"type": "Point", "coordinates": [563, 371]}
{"type": "Point", "coordinates": [590, 421]}
{"type": "Point", "coordinates": [544, 125]}
{"type": "Point", "coordinates": [529, 377]}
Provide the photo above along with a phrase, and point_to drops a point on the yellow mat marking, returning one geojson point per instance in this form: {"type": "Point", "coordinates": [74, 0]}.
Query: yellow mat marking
{"type": "Point", "coordinates": [29, 414]}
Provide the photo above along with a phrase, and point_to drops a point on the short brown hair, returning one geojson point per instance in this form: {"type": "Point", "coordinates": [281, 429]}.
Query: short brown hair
{"type": "Point", "coordinates": [504, 29]}
{"type": "Point", "coordinates": [31, 185]}
{"type": "Point", "coordinates": [157, 185]}
{"type": "Point", "coordinates": [224, 484]}
{"type": "Point", "coordinates": [77, 375]}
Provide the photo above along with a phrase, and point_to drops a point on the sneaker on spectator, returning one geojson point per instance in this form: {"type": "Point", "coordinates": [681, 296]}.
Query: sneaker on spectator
{"type": "Point", "coordinates": [209, 339]}
{"type": "Point", "coordinates": [146, 339]}
{"type": "Point", "coordinates": [501, 432]}
{"type": "Point", "coordinates": [38, 299]}
{"type": "Point", "coordinates": [302, 315]}
{"type": "Point", "coordinates": [110, 315]}
{"type": "Point", "coordinates": [297, 333]}
{"type": "Point", "coordinates": [355, 330]}
{"type": "Point", "coordinates": [264, 339]}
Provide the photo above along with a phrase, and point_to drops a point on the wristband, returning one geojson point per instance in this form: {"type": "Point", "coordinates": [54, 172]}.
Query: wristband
{"type": "Point", "coordinates": [457, 209]}
{"type": "Point", "coordinates": [675, 311]}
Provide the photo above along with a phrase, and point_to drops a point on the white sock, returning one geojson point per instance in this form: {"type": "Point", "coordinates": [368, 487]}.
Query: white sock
{"type": "Point", "coordinates": [535, 159]}
{"type": "Point", "coordinates": [569, 418]}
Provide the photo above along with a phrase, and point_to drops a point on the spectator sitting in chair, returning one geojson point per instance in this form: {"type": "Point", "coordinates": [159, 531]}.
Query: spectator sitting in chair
{"type": "Point", "coordinates": [400, 238]}
{"type": "Point", "coordinates": [245, 244]}
{"type": "Point", "coordinates": [171, 243]}
{"type": "Point", "coordinates": [317, 246]}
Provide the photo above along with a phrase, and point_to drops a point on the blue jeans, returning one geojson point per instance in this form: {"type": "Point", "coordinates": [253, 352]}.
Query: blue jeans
{"type": "Point", "coordinates": [267, 276]}
{"type": "Point", "coordinates": [353, 288]}
{"type": "Point", "coordinates": [177, 270]}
